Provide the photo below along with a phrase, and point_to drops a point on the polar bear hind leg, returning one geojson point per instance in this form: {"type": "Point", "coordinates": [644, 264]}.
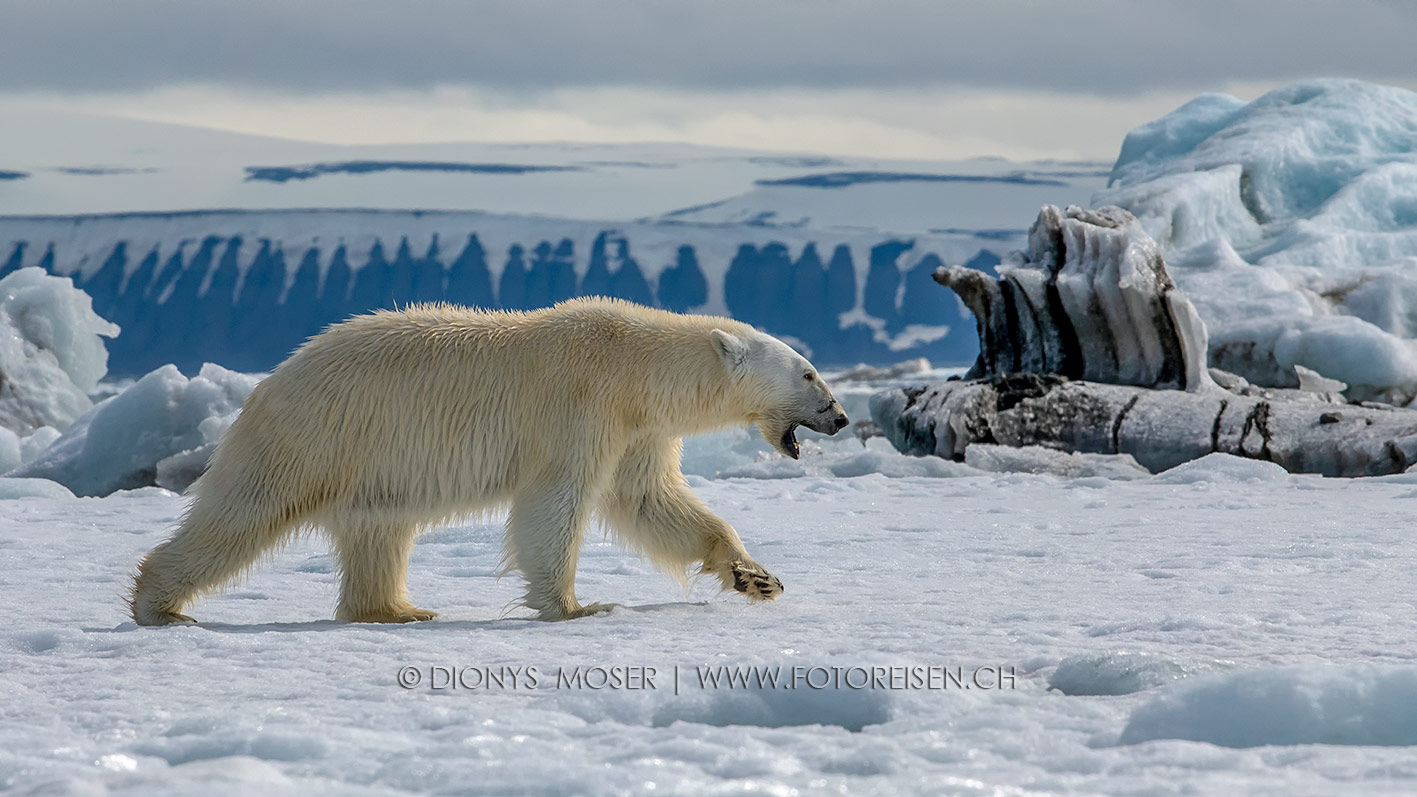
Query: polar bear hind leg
{"type": "Point", "coordinates": [217, 541]}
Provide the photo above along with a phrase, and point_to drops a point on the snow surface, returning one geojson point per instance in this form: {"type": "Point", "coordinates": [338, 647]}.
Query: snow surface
{"type": "Point", "coordinates": [1210, 637]}
{"type": "Point", "coordinates": [1291, 223]}
{"type": "Point", "coordinates": [1222, 627]}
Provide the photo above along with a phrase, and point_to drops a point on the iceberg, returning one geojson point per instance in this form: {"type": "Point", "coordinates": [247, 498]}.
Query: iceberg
{"type": "Point", "coordinates": [1291, 223]}
{"type": "Point", "coordinates": [1091, 300]}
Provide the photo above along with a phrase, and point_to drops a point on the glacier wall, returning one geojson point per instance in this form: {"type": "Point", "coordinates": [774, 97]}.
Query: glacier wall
{"type": "Point", "coordinates": [244, 288]}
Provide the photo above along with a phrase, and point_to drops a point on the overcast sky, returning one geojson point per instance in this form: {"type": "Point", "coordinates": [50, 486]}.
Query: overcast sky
{"type": "Point", "coordinates": [1020, 78]}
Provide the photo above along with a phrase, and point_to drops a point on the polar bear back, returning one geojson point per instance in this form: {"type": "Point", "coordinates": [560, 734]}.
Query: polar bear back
{"type": "Point", "coordinates": [444, 409]}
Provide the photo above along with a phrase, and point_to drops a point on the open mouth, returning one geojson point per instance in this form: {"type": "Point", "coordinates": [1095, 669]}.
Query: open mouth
{"type": "Point", "coordinates": [788, 443]}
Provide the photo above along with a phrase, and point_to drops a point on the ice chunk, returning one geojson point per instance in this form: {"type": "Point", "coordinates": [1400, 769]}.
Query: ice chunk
{"type": "Point", "coordinates": [179, 471]}
{"type": "Point", "coordinates": [1356, 705]}
{"type": "Point", "coordinates": [1223, 468]}
{"type": "Point", "coordinates": [1122, 672]}
{"type": "Point", "coordinates": [1176, 134]}
{"type": "Point", "coordinates": [16, 451]}
{"type": "Point", "coordinates": [9, 450]}
{"type": "Point", "coordinates": [118, 444]}
{"type": "Point", "coordinates": [1315, 382]}
{"type": "Point", "coordinates": [1037, 459]}
{"type": "Point", "coordinates": [51, 350]}
{"type": "Point", "coordinates": [43, 437]}
{"type": "Point", "coordinates": [32, 488]}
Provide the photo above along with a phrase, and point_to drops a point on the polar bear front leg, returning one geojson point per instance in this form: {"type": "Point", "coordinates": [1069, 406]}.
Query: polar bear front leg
{"type": "Point", "coordinates": [730, 562]}
{"type": "Point", "coordinates": [373, 563]}
{"type": "Point", "coordinates": [544, 532]}
{"type": "Point", "coordinates": [652, 509]}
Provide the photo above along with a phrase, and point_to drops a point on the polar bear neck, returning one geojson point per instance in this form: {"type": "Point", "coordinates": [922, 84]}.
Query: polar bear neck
{"type": "Point", "coordinates": [664, 364]}
{"type": "Point", "coordinates": [685, 387]}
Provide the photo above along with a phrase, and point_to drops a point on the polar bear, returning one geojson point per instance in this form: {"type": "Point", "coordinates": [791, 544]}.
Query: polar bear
{"type": "Point", "coordinates": [392, 422]}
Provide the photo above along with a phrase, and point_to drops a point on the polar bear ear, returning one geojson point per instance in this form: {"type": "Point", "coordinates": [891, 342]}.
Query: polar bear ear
{"type": "Point", "coordinates": [730, 348]}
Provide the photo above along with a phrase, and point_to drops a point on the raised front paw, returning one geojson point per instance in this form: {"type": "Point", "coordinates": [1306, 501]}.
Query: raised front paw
{"type": "Point", "coordinates": [755, 582]}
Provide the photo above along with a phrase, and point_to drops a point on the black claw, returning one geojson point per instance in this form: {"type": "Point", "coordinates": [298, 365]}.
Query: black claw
{"type": "Point", "coordinates": [739, 583]}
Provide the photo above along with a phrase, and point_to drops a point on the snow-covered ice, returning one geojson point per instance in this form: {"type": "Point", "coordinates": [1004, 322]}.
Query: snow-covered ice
{"type": "Point", "coordinates": [1292, 705]}
{"type": "Point", "coordinates": [1121, 672]}
{"type": "Point", "coordinates": [1215, 636]}
{"type": "Point", "coordinates": [1291, 223]}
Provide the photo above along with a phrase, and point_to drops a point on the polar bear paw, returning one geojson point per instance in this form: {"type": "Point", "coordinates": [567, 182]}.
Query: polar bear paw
{"type": "Point", "coordinates": [164, 618]}
{"type": "Point", "coordinates": [574, 611]}
{"type": "Point", "coordinates": [394, 614]}
{"type": "Point", "coordinates": [754, 581]}
{"type": "Point", "coordinates": [592, 608]}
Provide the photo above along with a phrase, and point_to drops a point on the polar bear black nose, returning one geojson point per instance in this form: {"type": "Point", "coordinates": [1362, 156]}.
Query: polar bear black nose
{"type": "Point", "coordinates": [841, 422]}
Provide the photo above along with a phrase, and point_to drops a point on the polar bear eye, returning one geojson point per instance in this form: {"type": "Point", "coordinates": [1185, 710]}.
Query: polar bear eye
{"type": "Point", "coordinates": [808, 376]}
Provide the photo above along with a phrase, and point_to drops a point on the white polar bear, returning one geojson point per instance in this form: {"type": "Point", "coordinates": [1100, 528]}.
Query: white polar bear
{"type": "Point", "coordinates": [390, 423]}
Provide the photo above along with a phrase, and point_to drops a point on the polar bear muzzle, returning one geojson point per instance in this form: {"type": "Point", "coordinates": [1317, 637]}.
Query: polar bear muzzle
{"type": "Point", "coordinates": [788, 444]}
{"type": "Point", "coordinates": [828, 422]}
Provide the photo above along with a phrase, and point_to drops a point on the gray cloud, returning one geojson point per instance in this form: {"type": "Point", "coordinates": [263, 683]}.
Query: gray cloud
{"type": "Point", "coordinates": [1113, 47]}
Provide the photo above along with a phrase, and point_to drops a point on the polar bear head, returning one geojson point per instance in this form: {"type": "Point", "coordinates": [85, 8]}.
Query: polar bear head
{"type": "Point", "coordinates": [784, 390]}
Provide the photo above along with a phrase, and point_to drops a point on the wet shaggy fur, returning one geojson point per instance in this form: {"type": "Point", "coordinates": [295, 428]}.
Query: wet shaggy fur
{"type": "Point", "coordinates": [393, 422]}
